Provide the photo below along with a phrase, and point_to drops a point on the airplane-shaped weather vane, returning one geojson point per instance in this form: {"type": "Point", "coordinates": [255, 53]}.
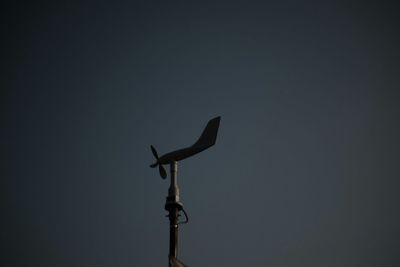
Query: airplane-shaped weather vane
{"type": "Point", "coordinates": [173, 204]}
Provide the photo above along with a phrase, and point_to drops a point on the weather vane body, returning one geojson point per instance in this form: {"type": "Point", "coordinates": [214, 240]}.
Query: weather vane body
{"type": "Point", "coordinates": [173, 204]}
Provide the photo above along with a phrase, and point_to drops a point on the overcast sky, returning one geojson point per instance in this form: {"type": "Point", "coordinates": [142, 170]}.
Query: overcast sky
{"type": "Point", "coordinates": [305, 171]}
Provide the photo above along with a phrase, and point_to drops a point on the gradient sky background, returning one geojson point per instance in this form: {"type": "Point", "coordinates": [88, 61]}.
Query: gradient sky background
{"type": "Point", "coordinates": [306, 167]}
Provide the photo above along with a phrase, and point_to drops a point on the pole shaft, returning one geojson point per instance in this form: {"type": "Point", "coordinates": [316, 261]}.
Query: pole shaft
{"type": "Point", "coordinates": [173, 206]}
{"type": "Point", "coordinates": [173, 232]}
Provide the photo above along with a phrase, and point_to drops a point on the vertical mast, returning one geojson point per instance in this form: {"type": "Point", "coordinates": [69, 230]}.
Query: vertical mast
{"type": "Point", "coordinates": [173, 206]}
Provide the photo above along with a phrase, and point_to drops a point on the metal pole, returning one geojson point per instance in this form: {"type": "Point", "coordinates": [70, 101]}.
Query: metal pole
{"type": "Point", "coordinates": [173, 206]}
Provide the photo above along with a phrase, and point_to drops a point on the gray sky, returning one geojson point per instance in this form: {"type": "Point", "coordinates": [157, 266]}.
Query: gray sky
{"type": "Point", "coordinates": [306, 167]}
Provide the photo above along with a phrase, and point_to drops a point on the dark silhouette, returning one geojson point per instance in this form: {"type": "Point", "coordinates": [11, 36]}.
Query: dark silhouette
{"type": "Point", "coordinates": [206, 140]}
{"type": "Point", "coordinates": [173, 204]}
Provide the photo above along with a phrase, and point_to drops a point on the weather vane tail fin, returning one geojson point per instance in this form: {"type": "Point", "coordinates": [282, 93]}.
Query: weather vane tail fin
{"type": "Point", "coordinates": [209, 135]}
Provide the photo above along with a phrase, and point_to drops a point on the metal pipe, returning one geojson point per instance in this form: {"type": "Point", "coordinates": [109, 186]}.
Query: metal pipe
{"type": "Point", "coordinates": [173, 233]}
{"type": "Point", "coordinates": [173, 190]}
{"type": "Point", "coordinates": [173, 206]}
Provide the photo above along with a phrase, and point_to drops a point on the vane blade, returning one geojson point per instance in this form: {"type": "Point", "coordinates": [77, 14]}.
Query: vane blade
{"type": "Point", "coordinates": [153, 165]}
{"type": "Point", "coordinates": [174, 262]}
{"type": "Point", "coordinates": [163, 173]}
{"type": "Point", "coordinates": [154, 151]}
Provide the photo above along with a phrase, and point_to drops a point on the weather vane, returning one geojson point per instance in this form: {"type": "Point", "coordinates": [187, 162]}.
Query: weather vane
{"type": "Point", "coordinates": [173, 204]}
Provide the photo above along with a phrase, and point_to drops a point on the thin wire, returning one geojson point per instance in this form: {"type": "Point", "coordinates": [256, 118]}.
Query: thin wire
{"type": "Point", "coordinates": [186, 217]}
